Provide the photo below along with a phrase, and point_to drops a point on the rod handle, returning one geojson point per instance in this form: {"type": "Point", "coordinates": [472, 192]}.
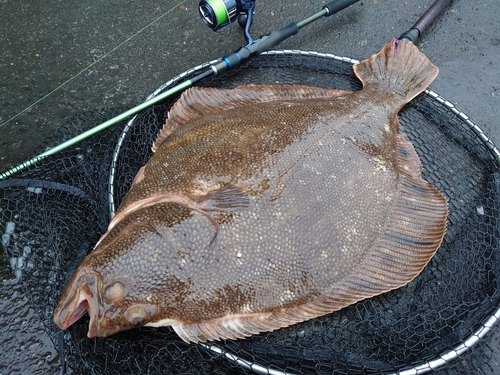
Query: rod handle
{"type": "Point", "coordinates": [430, 15]}
{"type": "Point", "coordinates": [337, 6]}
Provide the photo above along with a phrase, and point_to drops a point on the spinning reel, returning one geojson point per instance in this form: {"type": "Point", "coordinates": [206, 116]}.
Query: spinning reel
{"type": "Point", "coordinates": [219, 13]}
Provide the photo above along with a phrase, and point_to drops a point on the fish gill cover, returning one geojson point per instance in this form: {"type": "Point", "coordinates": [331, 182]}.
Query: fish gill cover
{"type": "Point", "coordinates": [54, 213]}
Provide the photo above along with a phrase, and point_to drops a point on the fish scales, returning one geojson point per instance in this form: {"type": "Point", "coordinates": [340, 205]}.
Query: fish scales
{"type": "Point", "coordinates": [264, 206]}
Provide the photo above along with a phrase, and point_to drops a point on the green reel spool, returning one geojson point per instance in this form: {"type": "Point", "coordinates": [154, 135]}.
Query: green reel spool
{"type": "Point", "coordinates": [218, 13]}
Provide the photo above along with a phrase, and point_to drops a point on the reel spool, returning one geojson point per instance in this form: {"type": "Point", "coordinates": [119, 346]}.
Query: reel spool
{"type": "Point", "coordinates": [219, 13]}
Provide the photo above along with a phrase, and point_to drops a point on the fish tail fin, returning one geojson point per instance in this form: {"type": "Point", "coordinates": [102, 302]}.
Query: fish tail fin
{"type": "Point", "coordinates": [400, 67]}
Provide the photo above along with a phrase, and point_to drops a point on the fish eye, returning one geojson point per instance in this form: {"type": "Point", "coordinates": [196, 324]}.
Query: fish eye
{"type": "Point", "coordinates": [137, 321]}
{"type": "Point", "coordinates": [136, 315]}
{"type": "Point", "coordinates": [115, 292]}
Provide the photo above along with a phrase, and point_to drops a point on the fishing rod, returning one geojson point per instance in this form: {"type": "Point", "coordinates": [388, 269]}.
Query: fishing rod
{"type": "Point", "coordinates": [223, 16]}
{"type": "Point", "coordinates": [425, 21]}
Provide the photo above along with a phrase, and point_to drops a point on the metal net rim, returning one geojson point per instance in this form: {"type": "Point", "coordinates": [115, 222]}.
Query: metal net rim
{"type": "Point", "coordinates": [425, 366]}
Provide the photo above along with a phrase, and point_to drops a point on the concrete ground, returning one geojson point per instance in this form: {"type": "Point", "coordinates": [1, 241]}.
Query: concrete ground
{"type": "Point", "coordinates": [58, 58]}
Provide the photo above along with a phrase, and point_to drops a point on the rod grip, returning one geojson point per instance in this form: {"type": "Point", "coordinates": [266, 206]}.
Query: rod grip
{"type": "Point", "coordinates": [337, 6]}
{"type": "Point", "coordinates": [276, 37]}
{"type": "Point", "coordinates": [430, 15]}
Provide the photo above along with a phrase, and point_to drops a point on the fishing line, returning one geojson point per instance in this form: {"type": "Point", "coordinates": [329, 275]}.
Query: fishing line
{"type": "Point", "coordinates": [90, 66]}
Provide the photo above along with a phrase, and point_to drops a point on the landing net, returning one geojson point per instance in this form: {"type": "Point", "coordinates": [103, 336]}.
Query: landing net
{"type": "Point", "coordinates": [52, 214]}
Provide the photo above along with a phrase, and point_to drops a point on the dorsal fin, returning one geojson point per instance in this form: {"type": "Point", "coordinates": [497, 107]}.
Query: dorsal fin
{"type": "Point", "coordinates": [197, 102]}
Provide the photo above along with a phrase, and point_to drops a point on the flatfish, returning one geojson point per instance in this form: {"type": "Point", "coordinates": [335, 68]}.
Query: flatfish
{"type": "Point", "coordinates": [265, 206]}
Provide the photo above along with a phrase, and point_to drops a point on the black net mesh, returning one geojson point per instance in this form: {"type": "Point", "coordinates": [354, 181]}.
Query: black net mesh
{"type": "Point", "coordinates": [53, 213]}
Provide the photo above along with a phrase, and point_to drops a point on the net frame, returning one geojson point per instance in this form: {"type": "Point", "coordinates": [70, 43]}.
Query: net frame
{"type": "Point", "coordinates": [426, 366]}
{"type": "Point", "coordinates": [441, 359]}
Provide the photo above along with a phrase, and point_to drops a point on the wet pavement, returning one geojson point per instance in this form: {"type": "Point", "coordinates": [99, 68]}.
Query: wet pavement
{"type": "Point", "coordinates": [60, 58]}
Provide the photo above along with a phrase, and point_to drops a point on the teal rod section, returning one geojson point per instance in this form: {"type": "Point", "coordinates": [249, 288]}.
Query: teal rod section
{"type": "Point", "coordinates": [70, 142]}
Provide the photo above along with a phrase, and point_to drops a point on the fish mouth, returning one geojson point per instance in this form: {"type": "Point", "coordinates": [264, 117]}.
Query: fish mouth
{"type": "Point", "coordinates": [80, 310]}
{"type": "Point", "coordinates": [78, 298]}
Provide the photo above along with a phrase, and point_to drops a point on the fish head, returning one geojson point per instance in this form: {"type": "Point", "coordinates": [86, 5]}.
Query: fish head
{"type": "Point", "coordinates": [135, 275]}
{"type": "Point", "coordinates": [110, 306]}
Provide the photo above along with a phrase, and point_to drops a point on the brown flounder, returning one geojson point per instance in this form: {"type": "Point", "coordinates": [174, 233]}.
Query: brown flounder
{"type": "Point", "coordinates": [264, 206]}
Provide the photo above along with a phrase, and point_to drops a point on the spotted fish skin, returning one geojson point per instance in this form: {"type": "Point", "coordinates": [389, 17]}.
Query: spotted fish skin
{"type": "Point", "coordinates": [264, 206]}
